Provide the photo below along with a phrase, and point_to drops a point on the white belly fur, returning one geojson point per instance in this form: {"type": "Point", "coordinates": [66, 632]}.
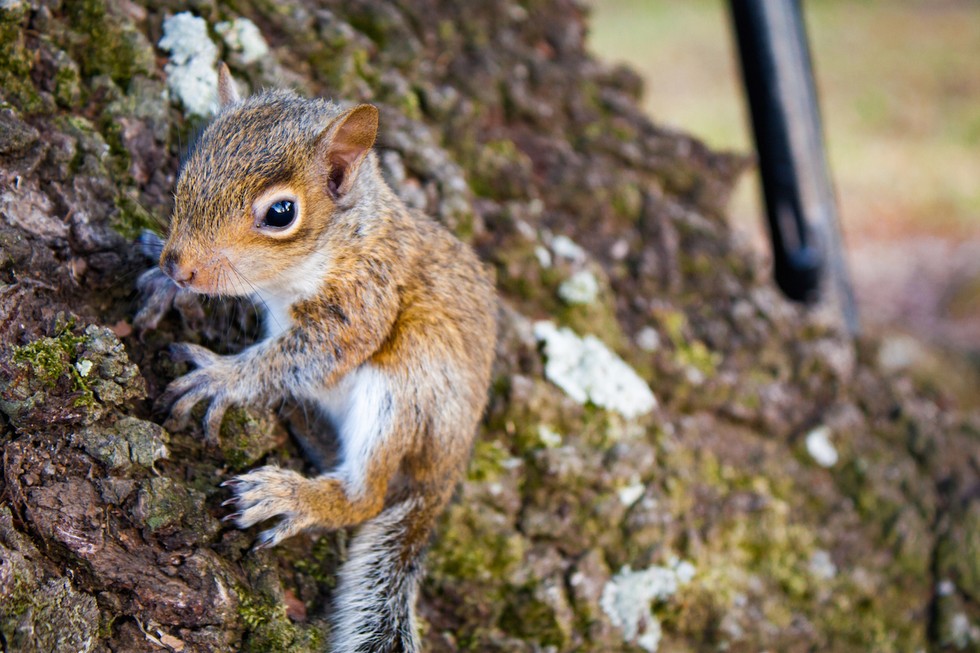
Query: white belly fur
{"type": "Point", "coordinates": [361, 408]}
{"type": "Point", "coordinates": [276, 318]}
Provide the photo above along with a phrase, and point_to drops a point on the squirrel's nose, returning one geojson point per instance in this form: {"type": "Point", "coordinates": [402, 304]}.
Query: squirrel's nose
{"type": "Point", "coordinates": [172, 268]}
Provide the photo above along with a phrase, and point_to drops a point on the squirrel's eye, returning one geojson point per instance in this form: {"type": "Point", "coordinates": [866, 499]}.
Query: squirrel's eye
{"type": "Point", "coordinates": [280, 214]}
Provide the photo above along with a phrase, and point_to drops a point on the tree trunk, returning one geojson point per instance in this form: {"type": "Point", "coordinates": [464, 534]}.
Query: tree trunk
{"type": "Point", "coordinates": [786, 493]}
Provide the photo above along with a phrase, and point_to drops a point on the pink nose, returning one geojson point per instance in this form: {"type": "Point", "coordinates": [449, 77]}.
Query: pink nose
{"type": "Point", "coordinates": [180, 274]}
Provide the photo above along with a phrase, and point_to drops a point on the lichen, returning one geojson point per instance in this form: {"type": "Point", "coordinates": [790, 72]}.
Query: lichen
{"type": "Point", "coordinates": [580, 288]}
{"type": "Point", "coordinates": [588, 372]}
{"type": "Point", "coordinates": [243, 37]}
{"type": "Point", "coordinates": [191, 74]}
{"type": "Point", "coordinates": [43, 371]}
{"type": "Point", "coordinates": [626, 599]}
{"type": "Point", "coordinates": [820, 448]}
{"type": "Point", "coordinates": [130, 441]}
{"type": "Point", "coordinates": [37, 617]}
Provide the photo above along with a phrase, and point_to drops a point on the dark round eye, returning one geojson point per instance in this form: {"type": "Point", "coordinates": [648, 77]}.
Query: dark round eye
{"type": "Point", "coordinates": [281, 214]}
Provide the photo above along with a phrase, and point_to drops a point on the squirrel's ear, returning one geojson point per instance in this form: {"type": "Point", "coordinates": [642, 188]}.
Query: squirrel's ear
{"type": "Point", "coordinates": [346, 143]}
{"type": "Point", "coordinates": [227, 91]}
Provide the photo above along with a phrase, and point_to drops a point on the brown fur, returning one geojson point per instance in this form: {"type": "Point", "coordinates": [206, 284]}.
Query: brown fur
{"type": "Point", "coordinates": [396, 293]}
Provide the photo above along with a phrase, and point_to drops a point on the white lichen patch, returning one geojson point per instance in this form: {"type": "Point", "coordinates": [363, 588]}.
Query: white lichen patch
{"type": "Point", "coordinates": [820, 448]}
{"type": "Point", "coordinates": [945, 587]}
{"type": "Point", "coordinates": [962, 633]}
{"type": "Point", "coordinates": [566, 248]}
{"type": "Point", "coordinates": [589, 372]}
{"type": "Point", "coordinates": [243, 36]}
{"type": "Point", "coordinates": [549, 437]}
{"type": "Point", "coordinates": [822, 565]}
{"type": "Point", "coordinates": [191, 75]}
{"type": "Point", "coordinates": [84, 367]}
{"type": "Point", "coordinates": [627, 596]}
{"type": "Point", "coordinates": [648, 339]}
{"type": "Point", "coordinates": [580, 288]}
{"type": "Point", "coordinates": [630, 494]}
{"type": "Point", "coordinates": [543, 256]}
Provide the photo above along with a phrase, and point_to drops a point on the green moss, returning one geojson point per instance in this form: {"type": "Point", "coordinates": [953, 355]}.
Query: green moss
{"type": "Point", "coordinates": [531, 615]}
{"type": "Point", "coordinates": [162, 503]}
{"type": "Point", "coordinates": [487, 461]}
{"type": "Point", "coordinates": [53, 358]}
{"type": "Point", "coordinates": [269, 630]}
{"type": "Point", "coordinates": [767, 555]}
{"type": "Point", "coordinates": [16, 61]}
{"type": "Point", "coordinates": [167, 505]}
{"type": "Point", "coordinates": [627, 200]}
{"type": "Point", "coordinates": [19, 588]}
{"type": "Point", "coordinates": [247, 435]}
{"type": "Point", "coordinates": [883, 619]}
{"type": "Point", "coordinates": [344, 67]}
{"type": "Point", "coordinates": [689, 352]}
{"type": "Point", "coordinates": [106, 43]}
{"type": "Point", "coordinates": [499, 170]}
{"type": "Point", "coordinates": [473, 545]}
{"type": "Point", "coordinates": [67, 81]}
{"type": "Point", "coordinates": [597, 318]}
{"type": "Point", "coordinates": [91, 152]}
{"type": "Point", "coordinates": [255, 613]}
{"type": "Point", "coordinates": [131, 219]}
{"type": "Point", "coordinates": [52, 616]}
{"type": "Point", "coordinates": [322, 562]}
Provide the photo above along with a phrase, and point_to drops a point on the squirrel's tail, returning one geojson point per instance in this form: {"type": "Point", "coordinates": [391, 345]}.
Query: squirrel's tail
{"type": "Point", "coordinates": [374, 602]}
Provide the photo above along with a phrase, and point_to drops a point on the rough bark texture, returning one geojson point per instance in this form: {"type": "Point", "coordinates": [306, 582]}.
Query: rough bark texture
{"type": "Point", "coordinates": [496, 120]}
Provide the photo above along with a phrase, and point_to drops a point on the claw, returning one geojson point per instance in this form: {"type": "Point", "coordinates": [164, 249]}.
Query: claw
{"type": "Point", "coordinates": [181, 410]}
{"type": "Point", "coordinates": [267, 540]}
{"type": "Point", "coordinates": [231, 482]}
{"type": "Point", "coordinates": [213, 419]}
{"type": "Point", "coordinates": [228, 502]}
{"type": "Point", "coordinates": [232, 517]}
{"type": "Point", "coordinates": [185, 352]}
{"type": "Point", "coordinates": [174, 423]}
{"type": "Point", "coordinates": [150, 244]}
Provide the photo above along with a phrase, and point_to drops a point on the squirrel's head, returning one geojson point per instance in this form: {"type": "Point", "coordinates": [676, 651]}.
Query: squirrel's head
{"type": "Point", "coordinates": [263, 185]}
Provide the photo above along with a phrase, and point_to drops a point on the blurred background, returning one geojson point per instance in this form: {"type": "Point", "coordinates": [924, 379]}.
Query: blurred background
{"type": "Point", "coordinates": [899, 85]}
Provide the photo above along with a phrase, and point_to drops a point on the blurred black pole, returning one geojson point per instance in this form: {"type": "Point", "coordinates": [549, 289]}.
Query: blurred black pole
{"type": "Point", "coordinates": [799, 197]}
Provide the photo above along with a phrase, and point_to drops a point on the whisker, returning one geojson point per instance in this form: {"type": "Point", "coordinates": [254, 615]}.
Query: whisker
{"type": "Point", "coordinates": [255, 294]}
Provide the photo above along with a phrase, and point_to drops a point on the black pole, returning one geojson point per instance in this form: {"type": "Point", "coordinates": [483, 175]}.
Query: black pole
{"type": "Point", "coordinates": [796, 186]}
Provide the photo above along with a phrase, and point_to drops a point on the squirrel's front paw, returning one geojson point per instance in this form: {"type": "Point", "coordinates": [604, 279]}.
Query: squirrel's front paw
{"type": "Point", "coordinates": [215, 380]}
{"type": "Point", "coordinates": [265, 493]}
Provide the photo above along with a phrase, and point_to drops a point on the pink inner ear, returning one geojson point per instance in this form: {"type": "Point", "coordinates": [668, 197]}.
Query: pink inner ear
{"type": "Point", "coordinates": [336, 179]}
{"type": "Point", "coordinates": [344, 155]}
{"type": "Point", "coordinates": [349, 141]}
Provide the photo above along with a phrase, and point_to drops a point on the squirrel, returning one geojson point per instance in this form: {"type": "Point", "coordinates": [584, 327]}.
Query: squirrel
{"type": "Point", "coordinates": [375, 314]}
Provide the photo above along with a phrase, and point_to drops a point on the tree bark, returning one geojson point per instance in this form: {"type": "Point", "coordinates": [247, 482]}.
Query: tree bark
{"type": "Point", "coordinates": [787, 493]}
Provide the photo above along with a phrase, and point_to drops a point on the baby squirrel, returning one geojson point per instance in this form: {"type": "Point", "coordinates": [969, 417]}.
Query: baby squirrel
{"type": "Point", "coordinates": [374, 313]}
